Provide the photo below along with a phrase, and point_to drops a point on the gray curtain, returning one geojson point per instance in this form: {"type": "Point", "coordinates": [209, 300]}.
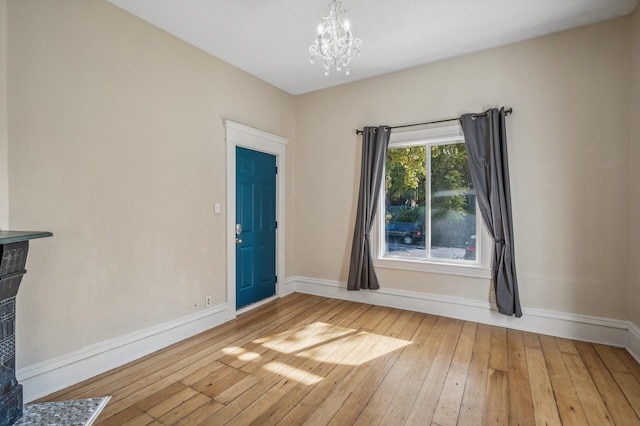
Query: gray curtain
{"type": "Point", "coordinates": [486, 140]}
{"type": "Point", "coordinates": [375, 141]}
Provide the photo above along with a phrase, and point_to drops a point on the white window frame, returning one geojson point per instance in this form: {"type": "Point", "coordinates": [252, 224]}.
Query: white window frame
{"type": "Point", "coordinates": [481, 267]}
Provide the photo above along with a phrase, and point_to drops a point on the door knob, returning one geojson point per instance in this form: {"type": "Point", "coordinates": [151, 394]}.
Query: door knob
{"type": "Point", "coordinates": [238, 241]}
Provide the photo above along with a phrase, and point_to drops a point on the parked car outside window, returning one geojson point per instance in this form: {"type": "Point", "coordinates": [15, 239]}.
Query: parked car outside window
{"type": "Point", "coordinates": [407, 232]}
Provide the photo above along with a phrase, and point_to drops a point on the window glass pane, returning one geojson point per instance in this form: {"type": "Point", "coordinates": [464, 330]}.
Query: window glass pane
{"type": "Point", "coordinates": [430, 204]}
{"type": "Point", "coordinates": [453, 204]}
{"type": "Point", "coordinates": [405, 202]}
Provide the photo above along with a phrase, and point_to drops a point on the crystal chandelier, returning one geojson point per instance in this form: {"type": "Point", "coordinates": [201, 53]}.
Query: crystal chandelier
{"type": "Point", "coordinates": [335, 45]}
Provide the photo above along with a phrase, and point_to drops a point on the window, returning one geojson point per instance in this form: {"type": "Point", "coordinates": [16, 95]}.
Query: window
{"type": "Point", "coordinates": [428, 217]}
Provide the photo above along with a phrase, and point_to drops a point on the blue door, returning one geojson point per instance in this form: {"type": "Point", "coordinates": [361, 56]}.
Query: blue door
{"type": "Point", "coordinates": [255, 226]}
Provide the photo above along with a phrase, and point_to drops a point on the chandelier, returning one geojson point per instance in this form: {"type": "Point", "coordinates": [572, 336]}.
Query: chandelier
{"type": "Point", "coordinates": [335, 45]}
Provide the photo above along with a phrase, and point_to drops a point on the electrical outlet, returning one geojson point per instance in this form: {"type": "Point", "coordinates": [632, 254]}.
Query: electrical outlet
{"type": "Point", "coordinates": [207, 302]}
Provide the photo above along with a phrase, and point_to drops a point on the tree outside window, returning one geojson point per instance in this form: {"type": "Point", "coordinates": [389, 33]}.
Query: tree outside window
{"type": "Point", "coordinates": [433, 179]}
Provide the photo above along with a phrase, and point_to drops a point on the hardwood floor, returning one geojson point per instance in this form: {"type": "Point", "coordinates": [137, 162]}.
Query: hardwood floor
{"type": "Point", "coordinates": [310, 360]}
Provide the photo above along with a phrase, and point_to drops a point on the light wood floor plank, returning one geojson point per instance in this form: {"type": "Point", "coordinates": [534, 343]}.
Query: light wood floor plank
{"type": "Point", "coordinates": [566, 346]}
{"type": "Point", "coordinates": [626, 381]}
{"type": "Point", "coordinates": [448, 409]}
{"type": "Point", "coordinates": [409, 386]}
{"type": "Point", "coordinates": [143, 419]}
{"type": "Point", "coordinates": [183, 409]}
{"type": "Point", "coordinates": [310, 360]}
{"type": "Point", "coordinates": [472, 409]}
{"type": "Point", "coordinates": [629, 361]}
{"type": "Point", "coordinates": [427, 398]}
{"type": "Point", "coordinates": [609, 389]}
{"type": "Point", "coordinates": [200, 414]}
{"type": "Point", "coordinates": [593, 406]}
{"type": "Point", "coordinates": [496, 409]}
{"type": "Point", "coordinates": [569, 407]}
{"type": "Point", "coordinates": [544, 404]}
{"type": "Point", "coordinates": [237, 389]}
{"type": "Point", "coordinates": [124, 416]}
{"type": "Point", "coordinates": [531, 340]}
{"type": "Point", "coordinates": [161, 409]}
{"type": "Point", "coordinates": [388, 387]}
{"type": "Point", "coordinates": [519, 387]}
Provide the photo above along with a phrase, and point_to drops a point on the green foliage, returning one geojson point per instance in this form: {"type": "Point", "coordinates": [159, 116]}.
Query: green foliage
{"type": "Point", "coordinates": [406, 176]}
{"type": "Point", "coordinates": [406, 171]}
{"type": "Point", "coordinates": [415, 214]}
{"type": "Point", "coordinates": [450, 180]}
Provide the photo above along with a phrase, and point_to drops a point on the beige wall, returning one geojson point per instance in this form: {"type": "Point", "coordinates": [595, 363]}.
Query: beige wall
{"type": "Point", "coordinates": [117, 147]}
{"type": "Point", "coordinates": [634, 265]}
{"type": "Point", "coordinates": [4, 135]}
{"type": "Point", "coordinates": [568, 148]}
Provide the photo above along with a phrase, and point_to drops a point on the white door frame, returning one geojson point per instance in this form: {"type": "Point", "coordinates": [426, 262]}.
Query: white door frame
{"type": "Point", "coordinates": [257, 140]}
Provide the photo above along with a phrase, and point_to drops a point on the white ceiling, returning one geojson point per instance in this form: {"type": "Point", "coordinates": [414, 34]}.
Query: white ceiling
{"type": "Point", "coordinates": [270, 38]}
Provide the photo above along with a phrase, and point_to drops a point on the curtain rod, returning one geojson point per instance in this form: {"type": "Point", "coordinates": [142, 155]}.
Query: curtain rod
{"type": "Point", "coordinates": [507, 111]}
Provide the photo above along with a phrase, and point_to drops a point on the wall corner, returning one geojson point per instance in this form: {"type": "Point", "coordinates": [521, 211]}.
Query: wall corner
{"type": "Point", "coordinates": [4, 132]}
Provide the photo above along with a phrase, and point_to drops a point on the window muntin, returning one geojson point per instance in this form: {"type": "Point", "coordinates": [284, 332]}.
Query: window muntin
{"type": "Point", "coordinates": [428, 213]}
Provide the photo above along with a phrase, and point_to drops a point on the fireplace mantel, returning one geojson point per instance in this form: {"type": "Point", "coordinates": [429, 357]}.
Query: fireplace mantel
{"type": "Point", "coordinates": [7, 237]}
{"type": "Point", "coordinates": [14, 246]}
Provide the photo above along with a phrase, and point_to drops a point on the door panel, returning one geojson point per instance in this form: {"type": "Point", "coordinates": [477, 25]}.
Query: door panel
{"type": "Point", "coordinates": [256, 213]}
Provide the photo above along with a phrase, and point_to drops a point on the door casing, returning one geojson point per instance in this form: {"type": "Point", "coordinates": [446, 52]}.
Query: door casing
{"type": "Point", "coordinates": [257, 140]}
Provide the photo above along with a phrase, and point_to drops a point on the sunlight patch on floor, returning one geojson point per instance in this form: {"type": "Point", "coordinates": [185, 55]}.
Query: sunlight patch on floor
{"type": "Point", "coordinates": [361, 348]}
{"type": "Point", "coordinates": [302, 338]}
{"type": "Point", "coordinates": [241, 353]}
{"type": "Point", "coordinates": [300, 376]}
{"type": "Point", "coordinates": [231, 349]}
{"type": "Point", "coordinates": [248, 356]}
{"type": "Point", "coordinates": [316, 344]}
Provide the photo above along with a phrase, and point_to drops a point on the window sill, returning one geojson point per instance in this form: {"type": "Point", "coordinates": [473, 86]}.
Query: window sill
{"type": "Point", "coordinates": [473, 271]}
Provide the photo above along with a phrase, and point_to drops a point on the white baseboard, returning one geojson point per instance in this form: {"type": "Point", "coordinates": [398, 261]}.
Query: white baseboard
{"type": "Point", "coordinates": [289, 286]}
{"type": "Point", "coordinates": [255, 305]}
{"type": "Point", "coordinates": [50, 376]}
{"type": "Point", "coordinates": [573, 326]}
{"type": "Point", "coordinates": [634, 341]}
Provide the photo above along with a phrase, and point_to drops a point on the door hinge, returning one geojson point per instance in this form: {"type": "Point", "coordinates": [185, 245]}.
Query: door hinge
{"type": "Point", "coordinates": [276, 169]}
{"type": "Point", "coordinates": [276, 224]}
{"type": "Point", "coordinates": [276, 279]}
